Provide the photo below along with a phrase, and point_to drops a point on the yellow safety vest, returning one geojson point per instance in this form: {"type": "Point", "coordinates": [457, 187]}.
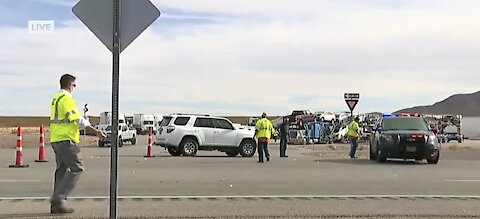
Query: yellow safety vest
{"type": "Point", "coordinates": [265, 128]}
{"type": "Point", "coordinates": [353, 129]}
{"type": "Point", "coordinates": [63, 118]}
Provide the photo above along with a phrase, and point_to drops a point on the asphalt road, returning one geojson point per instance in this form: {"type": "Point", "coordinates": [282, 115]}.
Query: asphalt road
{"type": "Point", "coordinates": [315, 177]}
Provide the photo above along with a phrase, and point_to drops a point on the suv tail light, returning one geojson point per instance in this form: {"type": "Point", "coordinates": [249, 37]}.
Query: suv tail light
{"type": "Point", "coordinates": [170, 129]}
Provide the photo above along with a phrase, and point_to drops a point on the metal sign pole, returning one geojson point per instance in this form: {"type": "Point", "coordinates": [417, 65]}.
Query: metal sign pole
{"type": "Point", "coordinates": [115, 88]}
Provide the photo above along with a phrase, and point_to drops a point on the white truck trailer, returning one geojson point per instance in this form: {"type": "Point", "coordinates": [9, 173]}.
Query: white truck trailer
{"type": "Point", "coordinates": [106, 120]}
{"type": "Point", "coordinates": [143, 123]}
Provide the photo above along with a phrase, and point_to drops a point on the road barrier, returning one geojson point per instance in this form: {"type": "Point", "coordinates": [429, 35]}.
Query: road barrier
{"type": "Point", "coordinates": [41, 147]}
{"type": "Point", "coordinates": [19, 156]}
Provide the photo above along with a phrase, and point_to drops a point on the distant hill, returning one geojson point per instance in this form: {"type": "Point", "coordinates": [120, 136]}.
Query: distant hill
{"type": "Point", "coordinates": [467, 105]}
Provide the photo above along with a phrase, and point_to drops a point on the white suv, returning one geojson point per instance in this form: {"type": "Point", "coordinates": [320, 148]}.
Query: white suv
{"type": "Point", "coordinates": [186, 134]}
{"type": "Point", "coordinates": [326, 116]}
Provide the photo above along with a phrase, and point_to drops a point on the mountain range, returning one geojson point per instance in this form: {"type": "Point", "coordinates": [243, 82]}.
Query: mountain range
{"type": "Point", "coordinates": [467, 105]}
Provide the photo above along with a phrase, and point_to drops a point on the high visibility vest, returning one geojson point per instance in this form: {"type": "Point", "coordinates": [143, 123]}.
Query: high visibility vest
{"type": "Point", "coordinates": [265, 128]}
{"type": "Point", "coordinates": [63, 118]}
{"type": "Point", "coordinates": [353, 129]}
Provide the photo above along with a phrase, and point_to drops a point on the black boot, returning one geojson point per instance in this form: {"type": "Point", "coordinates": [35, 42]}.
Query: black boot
{"type": "Point", "coordinates": [60, 209]}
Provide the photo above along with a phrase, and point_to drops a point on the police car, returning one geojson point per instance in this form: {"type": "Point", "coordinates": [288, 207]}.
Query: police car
{"type": "Point", "coordinates": [404, 136]}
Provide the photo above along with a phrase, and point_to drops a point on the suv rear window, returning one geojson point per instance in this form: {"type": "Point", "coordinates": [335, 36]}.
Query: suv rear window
{"type": "Point", "coordinates": [404, 123]}
{"type": "Point", "coordinates": [181, 120]}
{"type": "Point", "coordinates": [165, 121]}
{"type": "Point", "coordinates": [204, 123]}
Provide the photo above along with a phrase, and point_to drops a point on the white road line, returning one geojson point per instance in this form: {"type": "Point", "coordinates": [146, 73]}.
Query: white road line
{"type": "Point", "coordinates": [19, 180]}
{"type": "Point", "coordinates": [462, 180]}
{"type": "Point", "coordinates": [252, 196]}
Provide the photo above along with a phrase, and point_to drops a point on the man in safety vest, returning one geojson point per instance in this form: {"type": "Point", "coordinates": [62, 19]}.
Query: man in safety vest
{"type": "Point", "coordinates": [263, 131]}
{"type": "Point", "coordinates": [353, 133]}
{"type": "Point", "coordinates": [65, 121]}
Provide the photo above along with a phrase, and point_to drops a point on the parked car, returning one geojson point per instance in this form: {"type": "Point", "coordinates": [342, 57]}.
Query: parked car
{"type": "Point", "coordinates": [302, 116]}
{"type": "Point", "coordinates": [404, 138]}
{"type": "Point", "coordinates": [325, 116]}
{"type": "Point", "coordinates": [125, 134]}
{"type": "Point", "coordinates": [339, 133]}
{"type": "Point", "coordinates": [187, 134]}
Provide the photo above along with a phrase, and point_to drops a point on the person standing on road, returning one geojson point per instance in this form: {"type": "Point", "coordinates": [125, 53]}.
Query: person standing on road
{"type": "Point", "coordinates": [263, 131]}
{"type": "Point", "coordinates": [283, 130]}
{"type": "Point", "coordinates": [353, 133]}
{"type": "Point", "coordinates": [65, 124]}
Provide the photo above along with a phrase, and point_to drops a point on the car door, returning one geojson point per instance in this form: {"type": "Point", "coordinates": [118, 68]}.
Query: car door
{"type": "Point", "coordinates": [205, 129]}
{"type": "Point", "coordinates": [225, 133]}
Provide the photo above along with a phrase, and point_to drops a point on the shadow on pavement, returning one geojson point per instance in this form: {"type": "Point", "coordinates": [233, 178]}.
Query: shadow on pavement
{"type": "Point", "coordinates": [370, 162]}
{"type": "Point", "coordinates": [29, 215]}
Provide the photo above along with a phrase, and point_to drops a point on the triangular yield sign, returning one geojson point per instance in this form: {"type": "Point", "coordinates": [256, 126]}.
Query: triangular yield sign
{"type": "Point", "coordinates": [351, 104]}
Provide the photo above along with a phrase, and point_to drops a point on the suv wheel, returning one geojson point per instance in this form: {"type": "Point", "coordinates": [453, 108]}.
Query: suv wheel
{"type": "Point", "coordinates": [434, 160]}
{"type": "Point", "coordinates": [189, 147]}
{"type": "Point", "coordinates": [174, 151]}
{"type": "Point", "coordinates": [134, 140]}
{"type": "Point", "coordinates": [380, 157]}
{"type": "Point", "coordinates": [247, 148]}
{"type": "Point", "coordinates": [232, 153]}
{"type": "Point", "coordinates": [372, 155]}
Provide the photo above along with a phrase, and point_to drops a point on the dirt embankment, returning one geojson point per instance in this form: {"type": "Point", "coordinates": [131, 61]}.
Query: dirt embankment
{"type": "Point", "coordinates": [32, 121]}
{"type": "Point", "coordinates": [31, 137]}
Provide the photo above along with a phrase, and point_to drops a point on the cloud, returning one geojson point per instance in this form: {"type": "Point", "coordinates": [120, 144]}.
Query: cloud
{"type": "Point", "coordinates": [245, 57]}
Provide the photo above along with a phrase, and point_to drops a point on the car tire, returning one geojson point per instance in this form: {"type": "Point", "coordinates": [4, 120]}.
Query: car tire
{"type": "Point", "coordinates": [380, 157]}
{"type": "Point", "coordinates": [247, 148]}
{"type": "Point", "coordinates": [434, 160]}
{"type": "Point", "coordinates": [232, 153]}
{"type": "Point", "coordinates": [372, 154]}
{"type": "Point", "coordinates": [189, 147]}
{"type": "Point", "coordinates": [134, 140]}
{"type": "Point", "coordinates": [101, 144]}
{"type": "Point", "coordinates": [174, 151]}
{"type": "Point", "coordinates": [120, 142]}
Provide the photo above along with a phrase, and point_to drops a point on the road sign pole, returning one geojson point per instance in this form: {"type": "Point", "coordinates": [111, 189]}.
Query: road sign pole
{"type": "Point", "coordinates": [115, 93]}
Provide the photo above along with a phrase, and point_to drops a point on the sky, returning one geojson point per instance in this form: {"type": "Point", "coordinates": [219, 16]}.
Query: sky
{"type": "Point", "coordinates": [245, 57]}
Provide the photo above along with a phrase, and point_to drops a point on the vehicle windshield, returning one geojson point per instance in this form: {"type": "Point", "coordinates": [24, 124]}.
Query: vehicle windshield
{"type": "Point", "coordinates": [296, 113]}
{"type": "Point", "coordinates": [109, 128]}
{"type": "Point", "coordinates": [402, 123]}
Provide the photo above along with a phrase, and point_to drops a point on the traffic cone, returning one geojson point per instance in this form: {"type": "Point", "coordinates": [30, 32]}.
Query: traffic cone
{"type": "Point", "coordinates": [19, 158]}
{"type": "Point", "coordinates": [150, 142]}
{"type": "Point", "coordinates": [41, 147]}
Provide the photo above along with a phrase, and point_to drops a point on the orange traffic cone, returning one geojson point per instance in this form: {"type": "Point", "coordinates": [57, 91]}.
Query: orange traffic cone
{"type": "Point", "coordinates": [19, 157]}
{"type": "Point", "coordinates": [41, 147]}
{"type": "Point", "coordinates": [150, 142]}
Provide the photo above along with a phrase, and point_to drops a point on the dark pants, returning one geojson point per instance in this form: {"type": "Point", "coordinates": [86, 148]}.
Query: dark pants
{"type": "Point", "coordinates": [262, 147]}
{"type": "Point", "coordinates": [69, 169]}
{"type": "Point", "coordinates": [353, 147]}
{"type": "Point", "coordinates": [283, 146]}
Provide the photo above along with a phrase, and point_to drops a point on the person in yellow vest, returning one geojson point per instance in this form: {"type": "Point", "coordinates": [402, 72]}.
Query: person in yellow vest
{"type": "Point", "coordinates": [65, 124]}
{"type": "Point", "coordinates": [263, 132]}
{"type": "Point", "coordinates": [353, 133]}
